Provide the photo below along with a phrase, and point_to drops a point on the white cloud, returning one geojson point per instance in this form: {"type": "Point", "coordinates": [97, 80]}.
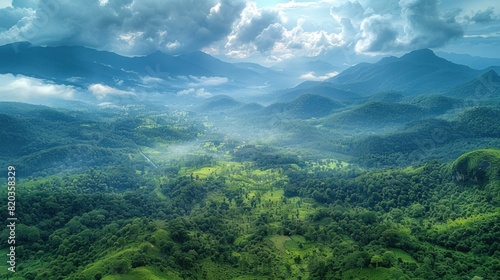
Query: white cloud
{"type": "Point", "coordinates": [207, 81]}
{"type": "Point", "coordinates": [310, 76]}
{"type": "Point", "coordinates": [27, 89]}
{"type": "Point", "coordinates": [5, 3]}
{"type": "Point", "coordinates": [199, 93]}
{"type": "Point", "coordinates": [101, 91]}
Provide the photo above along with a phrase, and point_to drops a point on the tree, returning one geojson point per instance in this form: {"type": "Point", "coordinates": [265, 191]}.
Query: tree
{"type": "Point", "coordinates": [120, 266]}
{"type": "Point", "coordinates": [377, 260]}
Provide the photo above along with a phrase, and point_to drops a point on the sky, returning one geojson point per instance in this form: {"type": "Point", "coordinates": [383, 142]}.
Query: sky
{"type": "Point", "coordinates": [258, 31]}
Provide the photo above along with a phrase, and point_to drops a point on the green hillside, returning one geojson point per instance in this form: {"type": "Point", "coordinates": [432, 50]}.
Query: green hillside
{"type": "Point", "coordinates": [141, 193]}
{"type": "Point", "coordinates": [479, 166]}
{"type": "Point", "coordinates": [377, 114]}
{"type": "Point", "coordinates": [304, 107]}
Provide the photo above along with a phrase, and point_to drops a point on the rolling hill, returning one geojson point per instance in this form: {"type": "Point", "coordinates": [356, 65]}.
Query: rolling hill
{"type": "Point", "coordinates": [479, 166]}
{"type": "Point", "coordinates": [304, 107]}
{"type": "Point", "coordinates": [376, 114]}
{"type": "Point", "coordinates": [484, 87]}
{"type": "Point", "coordinates": [325, 89]}
{"type": "Point", "coordinates": [219, 103]}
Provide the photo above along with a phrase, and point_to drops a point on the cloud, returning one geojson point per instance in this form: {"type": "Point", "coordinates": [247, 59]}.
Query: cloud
{"type": "Point", "coordinates": [124, 26]}
{"type": "Point", "coordinates": [347, 10]}
{"type": "Point", "coordinates": [310, 76]}
{"type": "Point", "coordinates": [254, 23]}
{"type": "Point", "coordinates": [101, 91]}
{"type": "Point", "coordinates": [207, 81]}
{"type": "Point", "coordinates": [26, 89]}
{"type": "Point", "coordinates": [266, 40]}
{"type": "Point", "coordinates": [245, 29]}
{"type": "Point", "coordinates": [378, 35]}
{"type": "Point", "coordinates": [199, 93]}
{"type": "Point", "coordinates": [485, 16]}
{"type": "Point", "coordinates": [423, 26]}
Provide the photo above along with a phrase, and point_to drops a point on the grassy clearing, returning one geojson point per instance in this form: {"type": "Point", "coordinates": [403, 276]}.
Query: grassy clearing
{"type": "Point", "coordinates": [400, 254]}
{"type": "Point", "coordinates": [298, 244]}
{"type": "Point", "coordinates": [211, 270]}
{"type": "Point", "coordinates": [372, 273]}
{"type": "Point", "coordinates": [102, 265]}
{"type": "Point", "coordinates": [279, 242]}
{"type": "Point", "coordinates": [250, 277]}
{"type": "Point", "coordinates": [144, 273]}
{"type": "Point", "coordinates": [326, 165]}
{"type": "Point", "coordinates": [464, 221]}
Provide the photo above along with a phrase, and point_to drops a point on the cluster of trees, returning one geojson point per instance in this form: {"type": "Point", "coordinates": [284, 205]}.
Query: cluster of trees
{"type": "Point", "coordinates": [44, 141]}
{"type": "Point", "coordinates": [268, 213]}
{"type": "Point", "coordinates": [398, 220]}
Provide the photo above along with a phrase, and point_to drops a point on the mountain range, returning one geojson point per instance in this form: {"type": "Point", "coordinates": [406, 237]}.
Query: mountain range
{"type": "Point", "coordinates": [417, 72]}
{"type": "Point", "coordinates": [81, 66]}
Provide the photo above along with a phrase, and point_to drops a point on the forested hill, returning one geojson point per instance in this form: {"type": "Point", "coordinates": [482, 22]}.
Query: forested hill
{"type": "Point", "coordinates": [90, 206]}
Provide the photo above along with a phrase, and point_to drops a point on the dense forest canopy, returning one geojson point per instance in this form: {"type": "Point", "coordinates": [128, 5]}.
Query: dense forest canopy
{"type": "Point", "coordinates": [174, 195]}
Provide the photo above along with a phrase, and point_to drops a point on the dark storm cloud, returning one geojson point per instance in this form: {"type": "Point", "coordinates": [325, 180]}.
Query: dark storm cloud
{"type": "Point", "coordinates": [379, 34]}
{"type": "Point", "coordinates": [11, 16]}
{"type": "Point", "coordinates": [268, 37]}
{"type": "Point", "coordinates": [425, 27]}
{"type": "Point", "coordinates": [128, 26]}
{"type": "Point", "coordinates": [25, 3]}
{"type": "Point", "coordinates": [485, 16]}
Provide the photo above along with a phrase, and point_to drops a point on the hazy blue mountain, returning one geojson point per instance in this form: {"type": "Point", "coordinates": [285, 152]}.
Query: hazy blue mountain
{"type": "Point", "coordinates": [304, 107]}
{"type": "Point", "coordinates": [325, 89]}
{"type": "Point", "coordinates": [435, 103]}
{"type": "Point", "coordinates": [484, 87]}
{"type": "Point", "coordinates": [249, 73]}
{"type": "Point", "coordinates": [303, 65]}
{"type": "Point", "coordinates": [417, 72]}
{"type": "Point", "coordinates": [219, 103]}
{"type": "Point", "coordinates": [81, 66]}
{"type": "Point", "coordinates": [476, 62]}
{"type": "Point", "coordinates": [376, 114]}
{"type": "Point", "coordinates": [250, 108]}
{"type": "Point", "coordinates": [387, 97]}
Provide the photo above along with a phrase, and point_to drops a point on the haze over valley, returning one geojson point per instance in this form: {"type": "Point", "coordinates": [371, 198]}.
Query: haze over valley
{"type": "Point", "coordinates": [250, 139]}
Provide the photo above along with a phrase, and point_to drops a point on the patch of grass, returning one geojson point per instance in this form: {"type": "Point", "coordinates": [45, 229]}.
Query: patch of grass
{"type": "Point", "coordinates": [250, 277]}
{"type": "Point", "coordinates": [464, 221]}
{"type": "Point", "coordinates": [213, 270]}
{"type": "Point", "coordinates": [400, 254]}
{"type": "Point", "coordinates": [279, 242]}
{"type": "Point", "coordinates": [274, 196]}
{"type": "Point", "coordinates": [102, 265]}
{"type": "Point", "coordinates": [298, 243]}
{"type": "Point", "coordinates": [371, 273]}
{"type": "Point", "coordinates": [144, 273]}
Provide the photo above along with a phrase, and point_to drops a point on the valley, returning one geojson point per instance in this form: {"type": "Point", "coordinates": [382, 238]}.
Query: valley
{"type": "Point", "coordinates": [320, 181]}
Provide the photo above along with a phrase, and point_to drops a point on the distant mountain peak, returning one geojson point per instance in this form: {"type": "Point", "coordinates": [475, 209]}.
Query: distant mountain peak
{"type": "Point", "coordinates": [156, 54]}
{"type": "Point", "coordinates": [491, 75]}
{"type": "Point", "coordinates": [420, 71]}
{"type": "Point", "coordinates": [420, 54]}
